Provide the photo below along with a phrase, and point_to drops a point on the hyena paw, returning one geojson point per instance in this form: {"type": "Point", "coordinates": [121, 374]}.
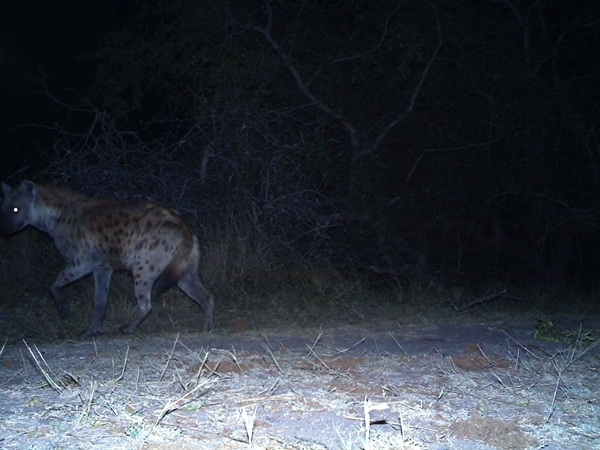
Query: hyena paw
{"type": "Point", "coordinates": [127, 329]}
{"type": "Point", "coordinates": [91, 332]}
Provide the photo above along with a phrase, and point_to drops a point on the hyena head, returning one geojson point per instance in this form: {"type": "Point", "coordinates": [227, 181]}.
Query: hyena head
{"type": "Point", "coordinates": [18, 206]}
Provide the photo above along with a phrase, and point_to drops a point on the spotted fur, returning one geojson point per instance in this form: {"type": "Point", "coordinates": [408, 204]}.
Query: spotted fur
{"type": "Point", "coordinates": [97, 235]}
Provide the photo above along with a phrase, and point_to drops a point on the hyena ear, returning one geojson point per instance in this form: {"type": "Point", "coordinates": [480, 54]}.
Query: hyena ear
{"type": "Point", "coordinates": [29, 188]}
{"type": "Point", "coordinates": [6, 189]}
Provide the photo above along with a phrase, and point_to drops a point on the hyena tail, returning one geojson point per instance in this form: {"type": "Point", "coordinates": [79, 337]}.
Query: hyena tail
{"type": "Point", "coordinates": [164, 282]}
{"type": "Point", "coordinates": [176, 269]}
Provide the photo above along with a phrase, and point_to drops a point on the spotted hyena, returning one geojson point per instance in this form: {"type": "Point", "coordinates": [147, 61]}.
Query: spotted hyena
{"type": "Point", "coordinates": [96, 235]}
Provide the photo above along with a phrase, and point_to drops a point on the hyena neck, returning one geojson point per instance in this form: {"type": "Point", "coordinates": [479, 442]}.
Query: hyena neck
{"type": "Point", "coordinates": [46, 218]}
{"type": "Point", "coordinates": [51, 204]}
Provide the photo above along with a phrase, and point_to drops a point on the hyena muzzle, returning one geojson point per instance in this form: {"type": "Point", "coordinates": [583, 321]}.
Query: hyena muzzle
{"type": "Point", "coordinates": [96, 235]}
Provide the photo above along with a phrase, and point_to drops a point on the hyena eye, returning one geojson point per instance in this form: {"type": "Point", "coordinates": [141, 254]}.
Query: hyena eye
{"type": "Point", "coordinates": [15, 209]}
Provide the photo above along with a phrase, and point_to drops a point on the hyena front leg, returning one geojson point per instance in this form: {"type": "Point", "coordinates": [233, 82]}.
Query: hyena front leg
{"type": "Point", "coordinates": [101, 284]}
{"type": "Point", "coordinates": [190, 284]}
{"type": "Point", "coordinates": [68, 275]}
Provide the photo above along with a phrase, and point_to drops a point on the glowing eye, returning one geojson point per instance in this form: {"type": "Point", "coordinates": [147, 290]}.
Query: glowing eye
{"type": "Point", "coordinates": [16, 209]}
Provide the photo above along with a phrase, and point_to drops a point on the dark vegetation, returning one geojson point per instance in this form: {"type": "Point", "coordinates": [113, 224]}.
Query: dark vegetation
{"type": "Point", "coordinates": [347, 145]}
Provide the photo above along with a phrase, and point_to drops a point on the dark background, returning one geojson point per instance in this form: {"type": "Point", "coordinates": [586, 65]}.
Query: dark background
{"type": "Point", "coordinates": [402, 142]}
{"type": "Point", "coordinates": [43, 40]}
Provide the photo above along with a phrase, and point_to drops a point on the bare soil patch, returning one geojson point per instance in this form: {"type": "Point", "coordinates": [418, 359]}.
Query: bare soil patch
{"type": "Point", "coordinates": [385, 385]}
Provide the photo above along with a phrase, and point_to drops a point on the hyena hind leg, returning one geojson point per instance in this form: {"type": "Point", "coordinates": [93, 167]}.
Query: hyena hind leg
{"type": "Point", "coordinates": [143, 291]}
{"type": "Point", "coordinates": [190, 284]}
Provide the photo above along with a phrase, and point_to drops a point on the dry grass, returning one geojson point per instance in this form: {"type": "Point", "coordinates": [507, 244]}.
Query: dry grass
{"type": "Point", "coordinates": [159, 393]}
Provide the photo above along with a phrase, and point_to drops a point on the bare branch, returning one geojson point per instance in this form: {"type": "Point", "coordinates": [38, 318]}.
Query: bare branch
{"type": "Point", "coordinates": [451, 149]}
{"type": "Point", "coordinates": [385, 26]}
{"type": "Point", "coordinates": [350, 128]}
{"type": "Point", "coordinates": [384, 33]}
{"type": "Point", "coordinates": [413, 97]}
{"type": "Point", "coordinates": [524, 22]}
{"type": "Point", "coordinates": [266, 32]}
{"type": "Point", "coordinates": [485, 298]}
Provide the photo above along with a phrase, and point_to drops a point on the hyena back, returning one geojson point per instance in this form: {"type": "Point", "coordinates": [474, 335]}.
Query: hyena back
{"type": "Point", "coordinates": [96, 235]}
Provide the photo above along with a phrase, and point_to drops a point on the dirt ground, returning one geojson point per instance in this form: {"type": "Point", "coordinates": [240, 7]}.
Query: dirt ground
{"type": "Point", "coordinates": [470, 385]}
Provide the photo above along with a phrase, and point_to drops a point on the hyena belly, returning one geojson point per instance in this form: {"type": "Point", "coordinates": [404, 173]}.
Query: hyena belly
{"type": "Point", "coordinates": [101, 235]}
